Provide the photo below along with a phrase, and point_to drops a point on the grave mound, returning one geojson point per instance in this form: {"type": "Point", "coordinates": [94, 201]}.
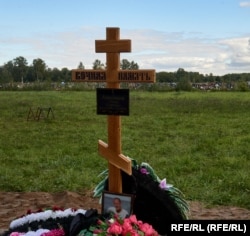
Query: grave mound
{"type": "Point", "coordinates": [155, 203]}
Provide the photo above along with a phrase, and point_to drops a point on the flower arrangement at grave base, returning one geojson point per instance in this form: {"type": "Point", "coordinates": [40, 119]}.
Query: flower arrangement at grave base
{"type": "Point", "coordinates": [156, 203]}
{"type": "Point", "coordinates": [79, 222]}
{"type": "Point", "coordinates": [117, 226]}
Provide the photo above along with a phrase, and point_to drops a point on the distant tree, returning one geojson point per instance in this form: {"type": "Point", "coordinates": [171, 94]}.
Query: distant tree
{"type": "Point", "coordinates": [98, 65]}
{"type": "Point", "coordinates": [195, 77]}
{"type": "Point", "coordinates": [210, 77]}
{"type": "Point", "coordinates": [241, 86]}
{"type": "Point", "coordinates": [39, 68]}
{"type": "Point", "coordinates": [49, 74]}
{"type": "Point", "coordinates": [4, 75]}
{"type": "Point", "coordinates": [124, 64]}
{"type": "Point", "coordinates": [65, 75]}
{"type": "Point", "coordinates": [127, 65]}
{"type": "Point", "coordinates": [30, 74]}
{"type": "Point", "coordinates": [20, 67]}
{"type": "Point", "coordinates": [81, 66]}
{"type": "Point", "coordinates": [165, 77]}
{"type": "Point", "coordinates": [134, 66]}
{"type": "Point", "coordinates": [55, 75]}
{"type": "Point", "coordinates": [7, 73]}
{"type": "Point", "coordinates": [180, 74]}
{"type": "Point", "coordinates": [184, 85]}
{"type": "Point", "coordinates": [183, 80]}
{"type": "Point", "coordinates": [245, 77]}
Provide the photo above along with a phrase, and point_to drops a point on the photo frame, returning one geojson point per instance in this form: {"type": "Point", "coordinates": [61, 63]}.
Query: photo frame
{"type": "Point", "coordinates": [111, 202]}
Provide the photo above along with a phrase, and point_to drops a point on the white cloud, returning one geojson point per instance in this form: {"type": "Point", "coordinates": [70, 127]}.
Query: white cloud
{"type": "Point", "coordinates": [245, 4]}
{"type": "Point", "coordinates": [192, 53]}
{"type": "Point", "coordinates": [163, 51]}
{"type": "Point", "coordinates": [239, 53]}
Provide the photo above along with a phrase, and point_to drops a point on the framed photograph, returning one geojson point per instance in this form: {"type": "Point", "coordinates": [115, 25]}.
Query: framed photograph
{"type": "Point", "coordinates": [117, 204]}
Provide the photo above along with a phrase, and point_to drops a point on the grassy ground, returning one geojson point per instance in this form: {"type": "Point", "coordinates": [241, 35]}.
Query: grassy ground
{"type": "Point", "coordinates": [198, 141]}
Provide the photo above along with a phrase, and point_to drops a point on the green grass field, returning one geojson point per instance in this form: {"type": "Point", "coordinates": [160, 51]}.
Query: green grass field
{"type": "Point", "coordinates": [198, 141]}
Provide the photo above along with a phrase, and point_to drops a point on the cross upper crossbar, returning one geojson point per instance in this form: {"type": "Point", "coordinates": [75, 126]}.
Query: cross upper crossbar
{"type": "Point", "coordinates": [109, 46]}
{"type": "Point", "coordinates": [113, 43]}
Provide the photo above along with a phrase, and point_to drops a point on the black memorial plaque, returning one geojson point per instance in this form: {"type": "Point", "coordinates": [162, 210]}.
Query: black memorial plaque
{"type": "Point", "coordinates": [112, 101]}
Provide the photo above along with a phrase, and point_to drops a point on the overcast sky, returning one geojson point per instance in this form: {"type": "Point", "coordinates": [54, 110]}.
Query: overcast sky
{"type": "Point", "coordinates": [206, 36]}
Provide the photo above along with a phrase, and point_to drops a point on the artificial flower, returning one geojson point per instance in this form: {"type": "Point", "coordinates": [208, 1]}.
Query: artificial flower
{"type": "Point", "coordinates": [128, 226]}
{"type": "Point", "coordinates": [45, 215]}
{"type": "Point", "coordinates": [54, 232]}
{"type": "Point", "coordinates": [144, 171]}
{"type": "Point", "coordinates": [163, 184]}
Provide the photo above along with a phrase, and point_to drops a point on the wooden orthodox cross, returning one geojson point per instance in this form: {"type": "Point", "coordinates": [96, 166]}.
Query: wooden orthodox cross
{"type": "Point", "coordinates": [112, 46]}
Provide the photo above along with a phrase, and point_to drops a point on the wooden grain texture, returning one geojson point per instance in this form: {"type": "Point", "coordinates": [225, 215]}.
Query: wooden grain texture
{"type": "Point", "coordinates": [114, 75]}
{"type": "Point", "coordinates": [113, 46]}
{"type": "Point", "coordinates": [119, 161]}
{"type": "Point", "coordinates": [112, 152]}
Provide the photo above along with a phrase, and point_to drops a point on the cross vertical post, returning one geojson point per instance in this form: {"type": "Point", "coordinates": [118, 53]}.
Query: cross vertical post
{"type": "Point", "coordinates": [112, 46]}
{"type": "Point", "coordinates": [114, 122]}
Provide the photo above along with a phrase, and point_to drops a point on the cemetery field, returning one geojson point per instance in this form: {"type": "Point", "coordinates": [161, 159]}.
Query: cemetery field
{"type": "Point", "coordinates": [198, 141]}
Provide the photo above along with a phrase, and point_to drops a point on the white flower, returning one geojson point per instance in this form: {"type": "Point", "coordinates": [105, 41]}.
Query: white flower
{"type": "Point", "coordinates": [111, 221]}
{"type": "Point", "coordinates": [45, 215]}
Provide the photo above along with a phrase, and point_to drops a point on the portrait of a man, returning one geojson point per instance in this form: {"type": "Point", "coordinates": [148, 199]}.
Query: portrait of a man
{"type": "Point", "coordinates": [117, 204]}
{"type": "Point", "coordinates": [117, 208]}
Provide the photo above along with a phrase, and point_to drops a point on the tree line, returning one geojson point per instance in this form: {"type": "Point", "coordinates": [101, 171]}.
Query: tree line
{"type": "Point", "coordinates": [18, 71]}
{"type": "Point", "coordinates": [195, 77]}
